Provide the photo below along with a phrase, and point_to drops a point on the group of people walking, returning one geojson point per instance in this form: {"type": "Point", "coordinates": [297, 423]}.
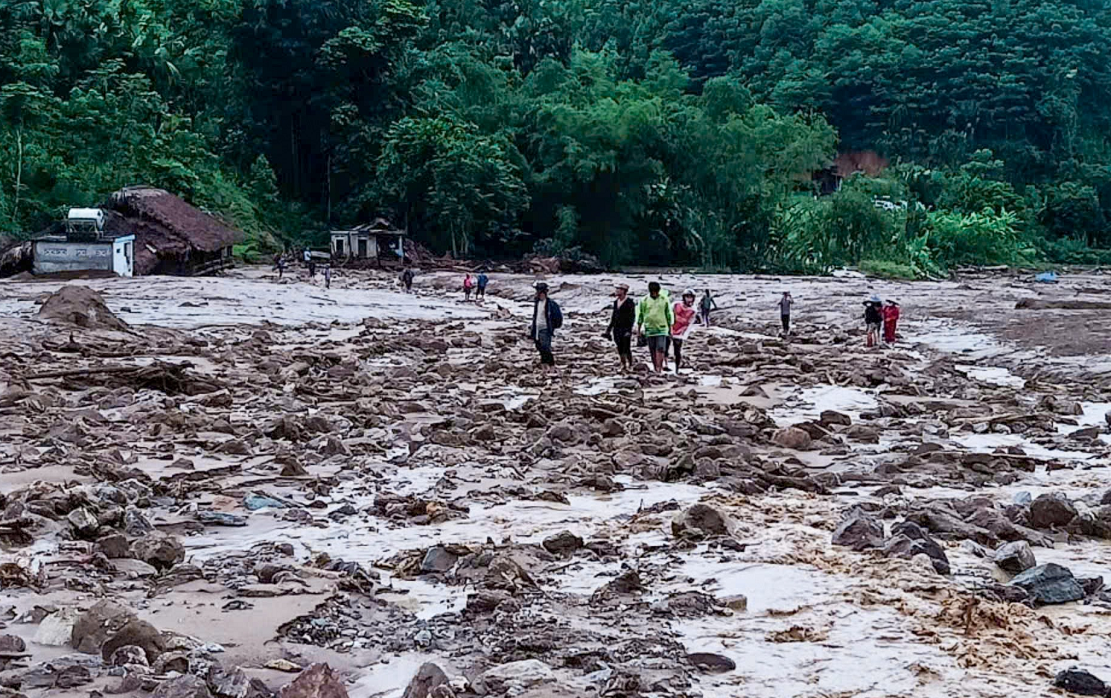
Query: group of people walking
{"type": "Point", "coordinates": [879, 314]}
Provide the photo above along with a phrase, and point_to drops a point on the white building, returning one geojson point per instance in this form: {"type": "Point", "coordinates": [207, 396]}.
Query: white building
{"type": "Point", "coordinates": [84, 247]}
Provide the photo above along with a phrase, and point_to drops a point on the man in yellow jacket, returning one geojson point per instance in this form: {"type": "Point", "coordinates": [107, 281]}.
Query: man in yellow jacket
{"type": "Point", "coordinates": [654, 320]}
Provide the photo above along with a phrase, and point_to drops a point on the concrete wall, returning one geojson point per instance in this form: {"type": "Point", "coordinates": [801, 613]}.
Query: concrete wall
{"type": "Point", "coordinates": [52, 257]}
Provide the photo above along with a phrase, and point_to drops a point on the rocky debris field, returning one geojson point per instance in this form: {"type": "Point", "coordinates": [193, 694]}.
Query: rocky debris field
{"type": "Point", "coordinates": [237, 487]}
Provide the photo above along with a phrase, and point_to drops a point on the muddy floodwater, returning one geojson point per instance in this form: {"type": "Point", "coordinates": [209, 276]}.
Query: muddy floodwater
{"type": "Point", "coordinates": [234, 486]}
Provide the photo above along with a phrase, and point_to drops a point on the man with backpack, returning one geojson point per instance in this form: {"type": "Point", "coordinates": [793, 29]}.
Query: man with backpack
{"type": "Point", "coordinates": [546, 319]}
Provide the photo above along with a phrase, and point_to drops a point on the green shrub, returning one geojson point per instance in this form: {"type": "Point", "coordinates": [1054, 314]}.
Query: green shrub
{"type": "Point", "coordinates": [885, 269]}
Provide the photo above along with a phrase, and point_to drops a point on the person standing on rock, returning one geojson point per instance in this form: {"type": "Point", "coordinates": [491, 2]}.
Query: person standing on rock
{"type": "Point", "coordinates": [705, 306]}
{"type": "Point", "coordinates": [468, 284]}
{"type": "Point", "coordinates": [890, 320]}
{"type": "Point", "coordinates": [480, 293]}
{"type": "Point", "coordinates": [785, 304]}
{"type": "Point", "coordinates": [546, 319]}
{"type": "Point", "coordinates": [654, 320]}
{"type": "Point", "coordinates": [622, 319]}
{"type": "Point", "coordinates": [684, 314]}
{"type": "Point", "coordinates": [873, 318]}
{"type": "Point", "coordinates": [407, 279]}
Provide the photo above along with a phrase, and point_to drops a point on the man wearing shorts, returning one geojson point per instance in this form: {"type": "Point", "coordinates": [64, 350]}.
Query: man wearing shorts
{"type": "Point", "coordinates": [654, 320]}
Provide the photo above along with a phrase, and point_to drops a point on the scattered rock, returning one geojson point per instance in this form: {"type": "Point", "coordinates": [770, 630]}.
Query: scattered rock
{"type": "Point", "coordinates": [562, 543]}
{"type": "Point", "coordinates": [1080, 682]}
{"type": "Point", "coordinates": [859, 531]}
{"type": "Point", "coordinates": [187, 686]}
{"type": "Point", "coordinates": [317, 681]}
{"type": "Point", "coordinates": [711, 663]}
{"type": "Point", "coordinates": [1015, 557]}
{"type": "Point", "coordinates": [1051, 510]}
{"type": "Point", "coordinates": [160, 550]}
{"type": "Point", "coordinates": [1049, 584]}
{"type": "Point", "coordinates": [701, 521]}
{"type": "Point", "coordinates": [438, 559]}
{"type": "Point", "coordinates": [909, 540]}
{"type": "Point", "coordinates": [428, 677]}
{"type": "Point", "coordinates": [135, 633]}
{"type": "Point", "coordinates": [793, 438]}
{"type": "Point", "coordinates": [513, 677]}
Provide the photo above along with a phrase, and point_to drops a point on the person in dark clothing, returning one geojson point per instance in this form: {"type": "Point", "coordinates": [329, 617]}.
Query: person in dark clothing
{"type": "Point", "coordinates": [546, 319]}
{"type": "Point", "coordinates": [312, 268]}
{"type": "Point", "coordinates": [873, 318]}
{"type": "Point", "coordinates": [279, 264]}
{"type": "Point", "coordinates": [785, 304]}
{"type": "Point", "coordinates": [480, 285]}
{"type": "Point", "coordinates": [622, 319]}
{"type": "Point", "coordinates": [407, 279]}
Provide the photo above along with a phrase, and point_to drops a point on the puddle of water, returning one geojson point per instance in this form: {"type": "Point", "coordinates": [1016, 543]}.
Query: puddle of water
{"type": "Point", "coordinates": [388, 680]}
{"type": "Point", "coordinates": [597, 386]}
{"type": "Point", "coordinates": [808, 404]}
{"type": "Point", "coordinates": [993, 375]}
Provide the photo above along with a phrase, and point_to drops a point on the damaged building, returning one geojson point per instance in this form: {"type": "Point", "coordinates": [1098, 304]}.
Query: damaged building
{"type": "Point", "coordinates": [155, 232]}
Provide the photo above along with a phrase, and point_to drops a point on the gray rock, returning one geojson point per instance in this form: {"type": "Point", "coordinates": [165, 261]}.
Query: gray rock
{"type": "Point", "coordinates": [1015, 557]}
{"type": "Point", "coordinates": [513, 677]}
{"type": "Point", "coordinates": [859, 531]}
{"type": "Point", "coordinates": [187, 686]}
{"type": "Point", "coordinates": [909, 539]}
{"type": "Point", "coordinates": [793, 438]}
{"type": "Point", "coordinates": [428, 677]}
{"type": "Point", "coordinates": [1051, 510]}
{"type": "Point", "coordinates": [85, 525]}
{"type": "Point", "coordinates": [317, 681]}
{"type": "Point", "coordinates": [129, 655]}
{"type": "Point", "coordinates": [158, 549]}
{"type": "Point", "coordinates": [114, 546]}
{"type": "Point", "coordinates": [12, 644]}
{"type": "Point", "coordinates": [701, 521]}
{"type": "Point", "coordinates": [220, 518]}
{"type": "Point", "coordinates": [1080, 682]}
{"type": "Point", "coordinates": [562, 543]}
{"type": "Point", "coordinates": [135, 633]}
{"type": "Point", "coordinates": [711, 663]}
{"type": "Point", "coordinates": [438, 559]}
{"type": "Point", "coordinates": [93, 627]}
{"type": "Point", "coordinates": [1049, 584]}
{"type": "Point", "coordinates": [831, 417]}
{"type": "Point", "coordinates": [135, 524]}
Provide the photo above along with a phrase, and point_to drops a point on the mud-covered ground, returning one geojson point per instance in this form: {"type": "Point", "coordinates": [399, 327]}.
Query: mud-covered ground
{"type": "Point", "coordinates": [251, 477]}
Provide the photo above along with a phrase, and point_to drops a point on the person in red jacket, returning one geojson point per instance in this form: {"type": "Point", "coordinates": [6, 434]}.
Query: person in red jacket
{"type": "Point", "coordinates": [683, 313]}
{"type": "Point", "coordinates": [890, 320]}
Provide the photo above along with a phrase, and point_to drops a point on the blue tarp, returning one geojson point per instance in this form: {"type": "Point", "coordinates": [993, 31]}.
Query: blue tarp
{"type": "Point", "coordinates": [1046, 277]}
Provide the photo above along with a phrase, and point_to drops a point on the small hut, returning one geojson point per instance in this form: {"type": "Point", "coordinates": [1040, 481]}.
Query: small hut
{"type": "Point", "coordinates": [171, 236]}
{"type": "Point", "coordinates": [369, 241]}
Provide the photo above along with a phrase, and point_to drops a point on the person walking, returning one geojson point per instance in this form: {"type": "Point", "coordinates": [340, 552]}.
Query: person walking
{"type": "Point", "coordinates": [312, 268]}
{"type": "Point", "coordinates": [280, 264]}
{"type": "Point", "coordinates": [481, 281]}
{"type": "Point", "coordinates": [546, 319]}
{"type": "Point", "coordinates": [468, 285]}
{"type": "Point", "coordinates": [873, 317]}
{"type": "Point", "coordinates": [890, 321]}
{"type": "Point", "coordinates": [654, 320]}
{"type": "Point", "coordinates": [620, 330]}
{"type": "Point", "coordinates": [785, 304]}
{"type": "Point", "coordinates": [684, 314]}
{"type": "Point", "coordinates": [705, 306]}
{"type": "Point", "coordinates": [407, 279]}
{"type": "Point", "coordinates": [328, 276]}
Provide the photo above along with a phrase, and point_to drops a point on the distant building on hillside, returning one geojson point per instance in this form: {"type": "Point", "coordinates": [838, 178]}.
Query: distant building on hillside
{"type": "Point", "coordinates": [369, 241]}
{"type": "Point", "coordinates": [845, 165]}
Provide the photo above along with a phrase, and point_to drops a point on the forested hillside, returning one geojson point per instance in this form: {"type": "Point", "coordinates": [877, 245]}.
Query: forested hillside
{"type": "Point", "coordinates": [665, 132]}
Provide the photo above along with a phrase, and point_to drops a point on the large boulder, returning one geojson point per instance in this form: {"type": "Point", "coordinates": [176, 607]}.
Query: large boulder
{"type": "Point", "coordinates": [135, 633]}
{"type": "Point", "coordinates": [701, 521]}
{"type": "Point", "coordinates": [1015, 557]}
{"type": "Point", "coordinates": [93, 627]}
{"type": "Point", "coordinates": [317, 681]}
{"type": "Point", "coordinates": [1051, 510]}
{"type": "Point", "coordinates": [159, 550]}
{"type": "Point", "coordinates": [1049, 584]}
{"type": "Point", "coordinates": [859, 530]}
{"type": "Point", "coordinates": [1080, 682]}
{"type": "Point", "coordinates": [428, 677]}
{"type": "Point", "coordinates": [80, 306]}
{"type": "Point", "coordinates": [793, 438]}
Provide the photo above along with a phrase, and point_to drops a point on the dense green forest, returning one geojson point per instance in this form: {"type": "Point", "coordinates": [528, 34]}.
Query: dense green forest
{"type": "Point", "coordinates": [666, 132]}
